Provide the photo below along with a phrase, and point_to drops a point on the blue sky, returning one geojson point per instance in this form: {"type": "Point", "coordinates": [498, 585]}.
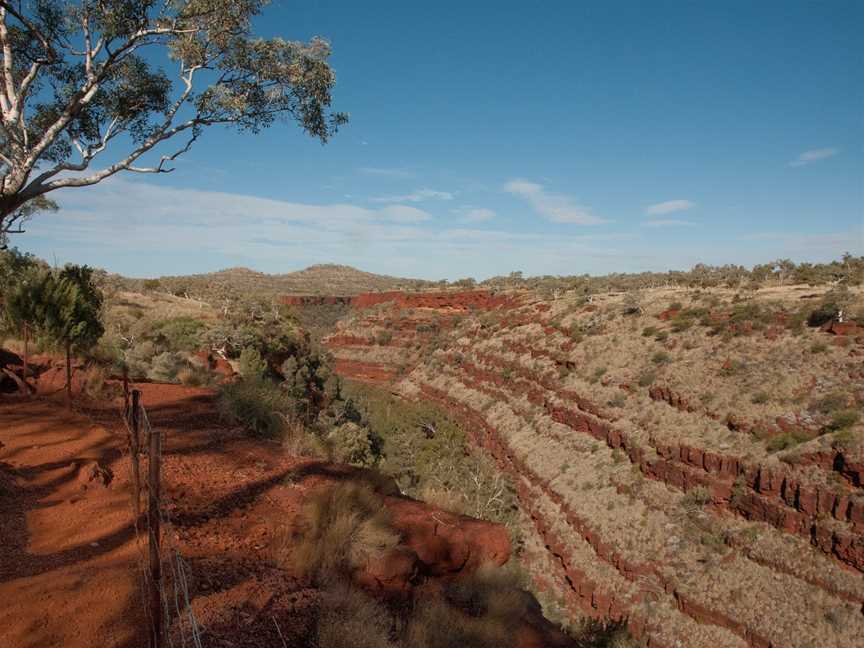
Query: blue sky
{"type": "Point", "coordinates": [551, 138]}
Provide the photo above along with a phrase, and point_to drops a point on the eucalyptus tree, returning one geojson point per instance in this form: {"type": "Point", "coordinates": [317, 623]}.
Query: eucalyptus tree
{"type": "Point", "coordinates": [118, 79]}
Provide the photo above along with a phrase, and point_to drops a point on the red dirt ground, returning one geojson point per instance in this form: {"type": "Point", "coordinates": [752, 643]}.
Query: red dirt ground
{"type": "Point", "coordinates": [69, 559]}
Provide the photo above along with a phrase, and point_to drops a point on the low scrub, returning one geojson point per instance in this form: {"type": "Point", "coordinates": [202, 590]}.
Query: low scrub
{"type": "Point", "coordinates": [258, 405]}
{"type": "Point", "coordinates": [346, 527]}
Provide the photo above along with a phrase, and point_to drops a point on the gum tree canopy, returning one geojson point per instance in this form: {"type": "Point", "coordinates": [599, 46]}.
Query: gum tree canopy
{"type": "Point", "coordinates": [83, 79]}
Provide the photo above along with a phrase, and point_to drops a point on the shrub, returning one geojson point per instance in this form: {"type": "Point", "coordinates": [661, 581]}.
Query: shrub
{"type": "Point", "coordinates": [195, 376]}
{"type": "Point", "coordinates": [96, 385]}
{"type": "Point", "coordinates": [598, 373]}
{"type": "Point", "coordinates": [383, 338]}
{"type": "Point", "coordinates": [731, 368]}
{"type": "Point", "coordinates": [662, 336]}
{"type": "Point", "coordinates": [351, 444]}
{"type": "Point", "coordinates": [252, 365]}
{"type": "Point", "coordinates": [698, 496]}
{"type": "Point", "coordinates": [349, 618]}
{"type": "Point", "coordinates": [138, 360]}
{"type": "Point", "coordinates": [648, 331]}
{"type": "Point", "coordinates": [818, 347]}
{"type": "Point", "coordinates": [681, 324]}
{"type": "Point", "coordinates": [647, 378]}
{"type": "Point", "coordinates": [617, 401]}
{"type": "Point", "coordinates": [661, 358]}
{"type": "Point", "coordinates": [760, 398]}
{"type": "Point", "coordinates": [482, 610]}
{"type": "Point", "coordinates": [786, 440]}
{"type": "Point", "coordinates": [825, 313]}
{"type": "Point", "coordinates": [165, 367]}
{"type": "Point", "coordinates": [843, 419]}
{"type": "Point", "coordinates": [180, 334]}
{"type": "Point", "coordinates": [346, 526]}
{"type": "Point", "coordinates": [259, 406]}
{"type": "Point", "coordinates": [830, 403]}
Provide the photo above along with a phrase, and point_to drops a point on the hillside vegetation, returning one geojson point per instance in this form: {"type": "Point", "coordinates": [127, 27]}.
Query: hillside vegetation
{"type": "Point", "coordinates": [324, 279]}
{"type": "Point", "coordinates": [687, 460]}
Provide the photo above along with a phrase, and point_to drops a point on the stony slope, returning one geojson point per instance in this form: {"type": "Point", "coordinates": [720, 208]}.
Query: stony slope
{"type": "Point", "coordinates": [696, 470]}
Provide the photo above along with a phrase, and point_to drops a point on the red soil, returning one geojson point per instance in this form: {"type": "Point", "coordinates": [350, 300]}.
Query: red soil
{"type": "Point", "coordinates": [233, 505]}
{"type": "Point", "coordinates": [67, 564]}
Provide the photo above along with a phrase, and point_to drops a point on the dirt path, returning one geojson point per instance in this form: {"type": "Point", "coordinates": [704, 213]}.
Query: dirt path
{"type": "Point", "coordinates": [67, 552]}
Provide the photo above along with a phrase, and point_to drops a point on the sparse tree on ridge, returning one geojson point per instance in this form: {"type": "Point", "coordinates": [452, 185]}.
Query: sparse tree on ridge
{"type": "Point", "coordinates": [78, 82]}
{"type": "Point", "coordinates": [70, 313]}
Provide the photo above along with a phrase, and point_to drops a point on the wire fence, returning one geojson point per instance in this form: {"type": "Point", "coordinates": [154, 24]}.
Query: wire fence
{"type": "Point", "coordinates": [164, 573]}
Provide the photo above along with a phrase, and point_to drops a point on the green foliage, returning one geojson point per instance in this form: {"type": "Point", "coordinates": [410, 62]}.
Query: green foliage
{"type": "Point", "coordinates": [252, 365]}
{"type": "Point", "coordinates": [258, 405]}
{"type": "Point", "coordinates": [352, 444]}
{"type": "Point", "coordinates": [661, 358]}
{"type": "Point", "coordinates": [786, 440]}
{"type": "Point", "coordinates": [649, 331]}
{"type": "Point", "coordinates": [179, 334]}
{"type": "Point", "coordinates": [843, 419]}
{"type": "Point", "coordinates": [165, 367]}
{"type": "Point", "coordinates": [426, 452]}
{"type": "Point", "coordinates": [309, 380]}
{"type": "Point", "coordinates": [63, 307]}
{"type": "Point", "coordinates": [117, 94]}
{"type": "Point", "coordinates": [647, 378]}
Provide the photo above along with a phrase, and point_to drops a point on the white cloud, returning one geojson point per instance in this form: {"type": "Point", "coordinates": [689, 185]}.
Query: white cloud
{"type": "Point", "coordinates": [417, 196]}
{"type": "Point", "coordinates": [813, 156]}
{"type": "Point", "coordinates": [404, 214]}
{"type": "Point", "coordinates": [390, 173]}
{"type": "Point", "coordinates": [557, 208]}
{"type": "Point", "coordinates": [479, 215]}
{"type": "Point", "coordinates": [144, 228]}
{"type": "Point", "coordinates": [669, 207]}
{"type": "Point", "coordinates": [668, 222]}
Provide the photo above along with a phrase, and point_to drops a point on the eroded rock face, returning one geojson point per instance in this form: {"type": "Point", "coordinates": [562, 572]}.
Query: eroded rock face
{"type": "Point", "coordinates": [447, 544]}
{"type": "Point", "coordinates": [435, 546]}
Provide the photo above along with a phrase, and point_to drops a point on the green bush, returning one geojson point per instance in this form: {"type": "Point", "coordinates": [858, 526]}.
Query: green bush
{"type": "Point", "coordinates": [179, 334]}
{"type": "Point", "coordinates": [647, 378]}
{"type": "Point", "coordinates": [661, 358]}
{"type": "Point", "coordinates": [825, 313]}
{"type": "Point", "coordinates": [786, 440]}
{"type": "Point", "coordinates": [165, 367]}
{"type": "Point", "coordinates": [252, 365]}
{"type": "Point", "coordinates": [258, 405]}
{"type": "Point", "coordinates": [818, 347]}
{"type": "Point", "coordinates": [843, 419]}
{"type": "Point", "coordinates": [760, 397]}
{"type": "Point", "coordinates": [352, 444]}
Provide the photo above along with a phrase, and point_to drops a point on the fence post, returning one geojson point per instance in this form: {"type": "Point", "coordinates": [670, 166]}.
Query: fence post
{"type": "Point", "coordinates": [135, 450]}
{"type": "Point", "coordinates": [155, 461]}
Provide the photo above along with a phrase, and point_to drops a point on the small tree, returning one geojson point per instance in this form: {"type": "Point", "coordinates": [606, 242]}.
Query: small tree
{"type": "Point", "coordinates": [82, 79]}
{"type": "Point", "coordinates": [21, 307]}
{"type": "Point", "coordinates": [71, 313]}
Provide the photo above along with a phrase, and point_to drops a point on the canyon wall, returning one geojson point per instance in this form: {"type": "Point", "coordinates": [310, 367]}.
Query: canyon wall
{"type": "Point", "coordinates": [684, 479]}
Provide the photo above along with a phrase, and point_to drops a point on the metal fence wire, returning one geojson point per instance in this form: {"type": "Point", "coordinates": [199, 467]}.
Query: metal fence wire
{"type": "Point", "coordinates": [178, 627]}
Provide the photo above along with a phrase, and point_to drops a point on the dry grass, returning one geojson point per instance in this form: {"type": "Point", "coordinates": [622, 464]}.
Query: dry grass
{"type": "Point", "coordinates": [348, 618]}
{"type": "Point", "coordinates": [347, 526]}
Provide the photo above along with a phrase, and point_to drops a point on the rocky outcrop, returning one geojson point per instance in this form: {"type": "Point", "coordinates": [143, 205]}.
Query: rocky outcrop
{"type": "Point", "coordinates": [434, 544]}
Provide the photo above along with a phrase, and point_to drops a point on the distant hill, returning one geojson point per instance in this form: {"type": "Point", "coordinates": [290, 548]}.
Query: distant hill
{"type": "Point", "coordinates": [322, 279]}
